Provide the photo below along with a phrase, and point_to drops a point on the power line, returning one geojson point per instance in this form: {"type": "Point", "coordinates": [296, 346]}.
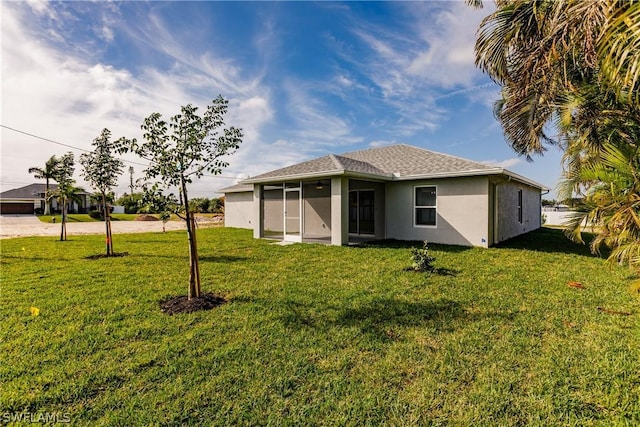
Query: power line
{"type": "Point", "coordinates": [87, 151]}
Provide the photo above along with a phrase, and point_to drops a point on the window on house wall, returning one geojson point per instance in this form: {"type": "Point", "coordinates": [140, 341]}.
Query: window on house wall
{"type": "Point", "coordinates": [520, 206]}
{"type": "Point", "coordinates": [425, 206]}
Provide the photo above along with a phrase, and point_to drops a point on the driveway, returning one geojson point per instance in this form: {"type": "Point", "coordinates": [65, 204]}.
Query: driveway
{"type": "Point", "coordinates": [30, 225]}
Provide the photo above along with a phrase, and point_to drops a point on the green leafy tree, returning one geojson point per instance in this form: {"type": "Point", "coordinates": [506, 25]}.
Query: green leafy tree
{"type": "Point", "coordinates": [217, 205]}
{"type": "Point", "coordinates": [200, 204]}
{"type": "Point", "coordinates": [66, 190]}
{"type": "Point", "coordinates": [47, 173]}
{"type": "Point", "coordinates": [182, 149]}
{"type": "Point", "coordinates": [155, 201]}
{"type": "Point", "coordinates": [132, 202]}
{"type": "Point", "coordinates": [101, 169]}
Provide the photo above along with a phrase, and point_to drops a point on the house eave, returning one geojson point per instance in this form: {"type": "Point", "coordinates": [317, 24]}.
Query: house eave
{"type": "Point", "coordinates": [295, 177]}
{"type": "Point", "coordinates": [382, 178]}
{"type": "Point", "coordinates": [458, 174]}
{"type": "Point", "coordinates": [470, 173]}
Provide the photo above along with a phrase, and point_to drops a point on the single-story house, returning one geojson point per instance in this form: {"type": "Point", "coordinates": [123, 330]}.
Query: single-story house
{"type": "Point", "coordinates": [393, 192]}
{"type": "Point", "coordinates": [28, 199]}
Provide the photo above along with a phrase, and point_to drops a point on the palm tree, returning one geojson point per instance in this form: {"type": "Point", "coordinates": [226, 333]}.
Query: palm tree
{"type": "Point", "coordinates": [66, 190]}
{"type": "Point", "coordinates": [66, 193]}
{"type": "Point", "coordinates": [612, 203]}
{"type": "Point", "coordinates": [571, 66]}
{"type": "Point", "coordinates": [47, 173]}
{"type": "Point", "coordinates": [542, 51]}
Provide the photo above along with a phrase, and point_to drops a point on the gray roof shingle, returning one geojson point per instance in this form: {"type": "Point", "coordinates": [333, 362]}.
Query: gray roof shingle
{"type": "Point", "coordinates": [392, 162]}
{"type": "Point", "coordinates": [31, 191]}
{"type": "Point", "coordinates": [385, 162]}
{"type": "Point", "coordinates": [406, 160]}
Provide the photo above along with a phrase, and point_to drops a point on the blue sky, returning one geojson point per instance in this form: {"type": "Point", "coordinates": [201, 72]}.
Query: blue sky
{"type": "Point", "coordinates": [303, 80]}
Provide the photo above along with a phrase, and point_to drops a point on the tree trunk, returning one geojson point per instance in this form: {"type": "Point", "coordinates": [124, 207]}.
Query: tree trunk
{"type": "Point", "coordinates": [194, 270]}
{"type": "Point", "coordinates": [107, 225]}
{"type": "Point", "coordinates": [63, 222]}
{"type": "Point", "coordinates": [47, 201]}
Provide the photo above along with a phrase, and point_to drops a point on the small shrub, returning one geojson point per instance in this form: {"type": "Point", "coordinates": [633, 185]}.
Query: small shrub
{"type": "Point", "coordinates": [421, 260]}
{"type": "Point", "coordinates": [39, 211]}
{"type": "Point", "coordinates": [95, 214]}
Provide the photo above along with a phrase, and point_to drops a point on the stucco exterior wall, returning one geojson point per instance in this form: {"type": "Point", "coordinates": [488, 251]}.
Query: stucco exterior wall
{"type": "Point", "coordinates": [462, 210]}
{"type": "Point", "coordinates": [238, 210]}
{"type": "Point", "coordinates": [508, 224]}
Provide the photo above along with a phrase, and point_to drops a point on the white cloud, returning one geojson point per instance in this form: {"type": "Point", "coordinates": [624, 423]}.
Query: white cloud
{"type": "Point", "coordinates": [507, 163]}
{"type": "Point", "coordinates": [381, 143]}
{"type": "Point", "coordinates": [448, 37]}
{"type": "Point", "coordinates": [66, 97]}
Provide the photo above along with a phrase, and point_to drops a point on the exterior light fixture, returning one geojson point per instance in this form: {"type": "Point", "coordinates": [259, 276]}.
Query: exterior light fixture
{"type": "Point", "coordinates": [319, 185]}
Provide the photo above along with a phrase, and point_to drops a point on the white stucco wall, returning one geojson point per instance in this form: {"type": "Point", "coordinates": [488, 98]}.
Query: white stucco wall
{"type": "Point", "coordinates": [238, 210]}
{"type": "Point", "coordinates": [508, 225]}
{"type": "Point", "coordinates": [461, 214]}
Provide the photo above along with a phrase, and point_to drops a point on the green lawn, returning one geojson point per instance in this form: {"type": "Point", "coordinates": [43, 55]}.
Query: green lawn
{"type": "Point", "coordinates": [318, 335]}
{"type": "Point", "coordinates": [85, 218]}
{"type": "Point", "coordinates": [114, 217]}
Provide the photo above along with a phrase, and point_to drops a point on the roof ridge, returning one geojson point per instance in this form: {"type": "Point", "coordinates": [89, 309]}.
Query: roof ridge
{"type": "Point", "coordinates": [335, 158]}
{"type": "Point", "coordinates": [449, 155]}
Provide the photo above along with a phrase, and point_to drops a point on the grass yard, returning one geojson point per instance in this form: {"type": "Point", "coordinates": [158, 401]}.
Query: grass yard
{"type": "Point", "coordinates": [317, 334]}
{"type": "Point", "coordinates": [114, 217]}
{"type": "Point", "coordinates": [85, 218]}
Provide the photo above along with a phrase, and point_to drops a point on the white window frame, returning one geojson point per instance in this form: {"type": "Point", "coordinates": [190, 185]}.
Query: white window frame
{"type": "Point", "coordinates": [416, 207]}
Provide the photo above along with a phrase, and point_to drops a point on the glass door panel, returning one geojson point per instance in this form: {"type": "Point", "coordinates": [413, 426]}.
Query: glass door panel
{"type": "Point", "coordinates": [292, 228]}
{"type": "Point", "coordinates": [366, 212]}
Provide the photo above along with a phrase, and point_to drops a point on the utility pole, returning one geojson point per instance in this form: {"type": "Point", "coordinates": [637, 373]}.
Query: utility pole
{"type": "Point", "coordinates": [131, 179]}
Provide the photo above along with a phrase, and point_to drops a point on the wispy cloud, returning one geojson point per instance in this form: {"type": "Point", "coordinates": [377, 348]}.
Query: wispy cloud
{"type": "Point", "coordinates": [69, 97]}
{"type": "Point", "coordinates": [507, 163]}
{"type": "Point", "coordinates": [411, 69]}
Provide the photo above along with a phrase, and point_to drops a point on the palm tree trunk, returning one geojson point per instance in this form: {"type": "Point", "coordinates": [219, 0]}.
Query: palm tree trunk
{"type": "Point", "coordinates": [47, 200]}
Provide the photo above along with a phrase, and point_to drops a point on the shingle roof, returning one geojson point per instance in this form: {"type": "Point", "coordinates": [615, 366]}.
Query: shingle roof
{"type": "Point", "coordinates": [31, 191]}
{"type": "Point", "coordinates": [405, 160]}
{"type": "Point", "coordinates": [237, 188]}
{"type": "Point", "coordinates": [384, 162]}
{"type": "Point", "coordinates": [393, 162]}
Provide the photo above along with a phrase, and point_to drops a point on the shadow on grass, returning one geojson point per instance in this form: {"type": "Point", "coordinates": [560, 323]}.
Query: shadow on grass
{"type": "Point", "coordinates": [439, 271]}
{"type": "Point", "coordinates": [550, 240]}
{"type": "Point", "coordinates": [408, 244]}
{"type": "Point", "coordinates": [202, 259]}
{"type": "Point", "coordinates": [380, 319]}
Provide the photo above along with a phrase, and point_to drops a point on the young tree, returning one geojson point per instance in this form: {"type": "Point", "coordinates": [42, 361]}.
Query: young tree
{"type": "Point", "coordinates": [47, 173]}
{"type": "Point", "coordinates": [183, 149]}
{"type": "Point", "coordinates": [66, 190]}
{"type": "Point", "coordinates": [101, 169]}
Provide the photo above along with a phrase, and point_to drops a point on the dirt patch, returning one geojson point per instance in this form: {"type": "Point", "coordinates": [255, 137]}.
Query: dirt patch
{"type": "Point", "coordinates": [183, 305]}
{"type": "Point", "coordinates": [145, 217]}
{"type": "Point", "coordinates": [114, 255]}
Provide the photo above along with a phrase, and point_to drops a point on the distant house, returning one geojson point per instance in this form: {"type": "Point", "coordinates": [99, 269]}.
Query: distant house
{"type": "Point", "coordinates": [394, 192]}
{"type": "Point", "coordinates": [29, 199]}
